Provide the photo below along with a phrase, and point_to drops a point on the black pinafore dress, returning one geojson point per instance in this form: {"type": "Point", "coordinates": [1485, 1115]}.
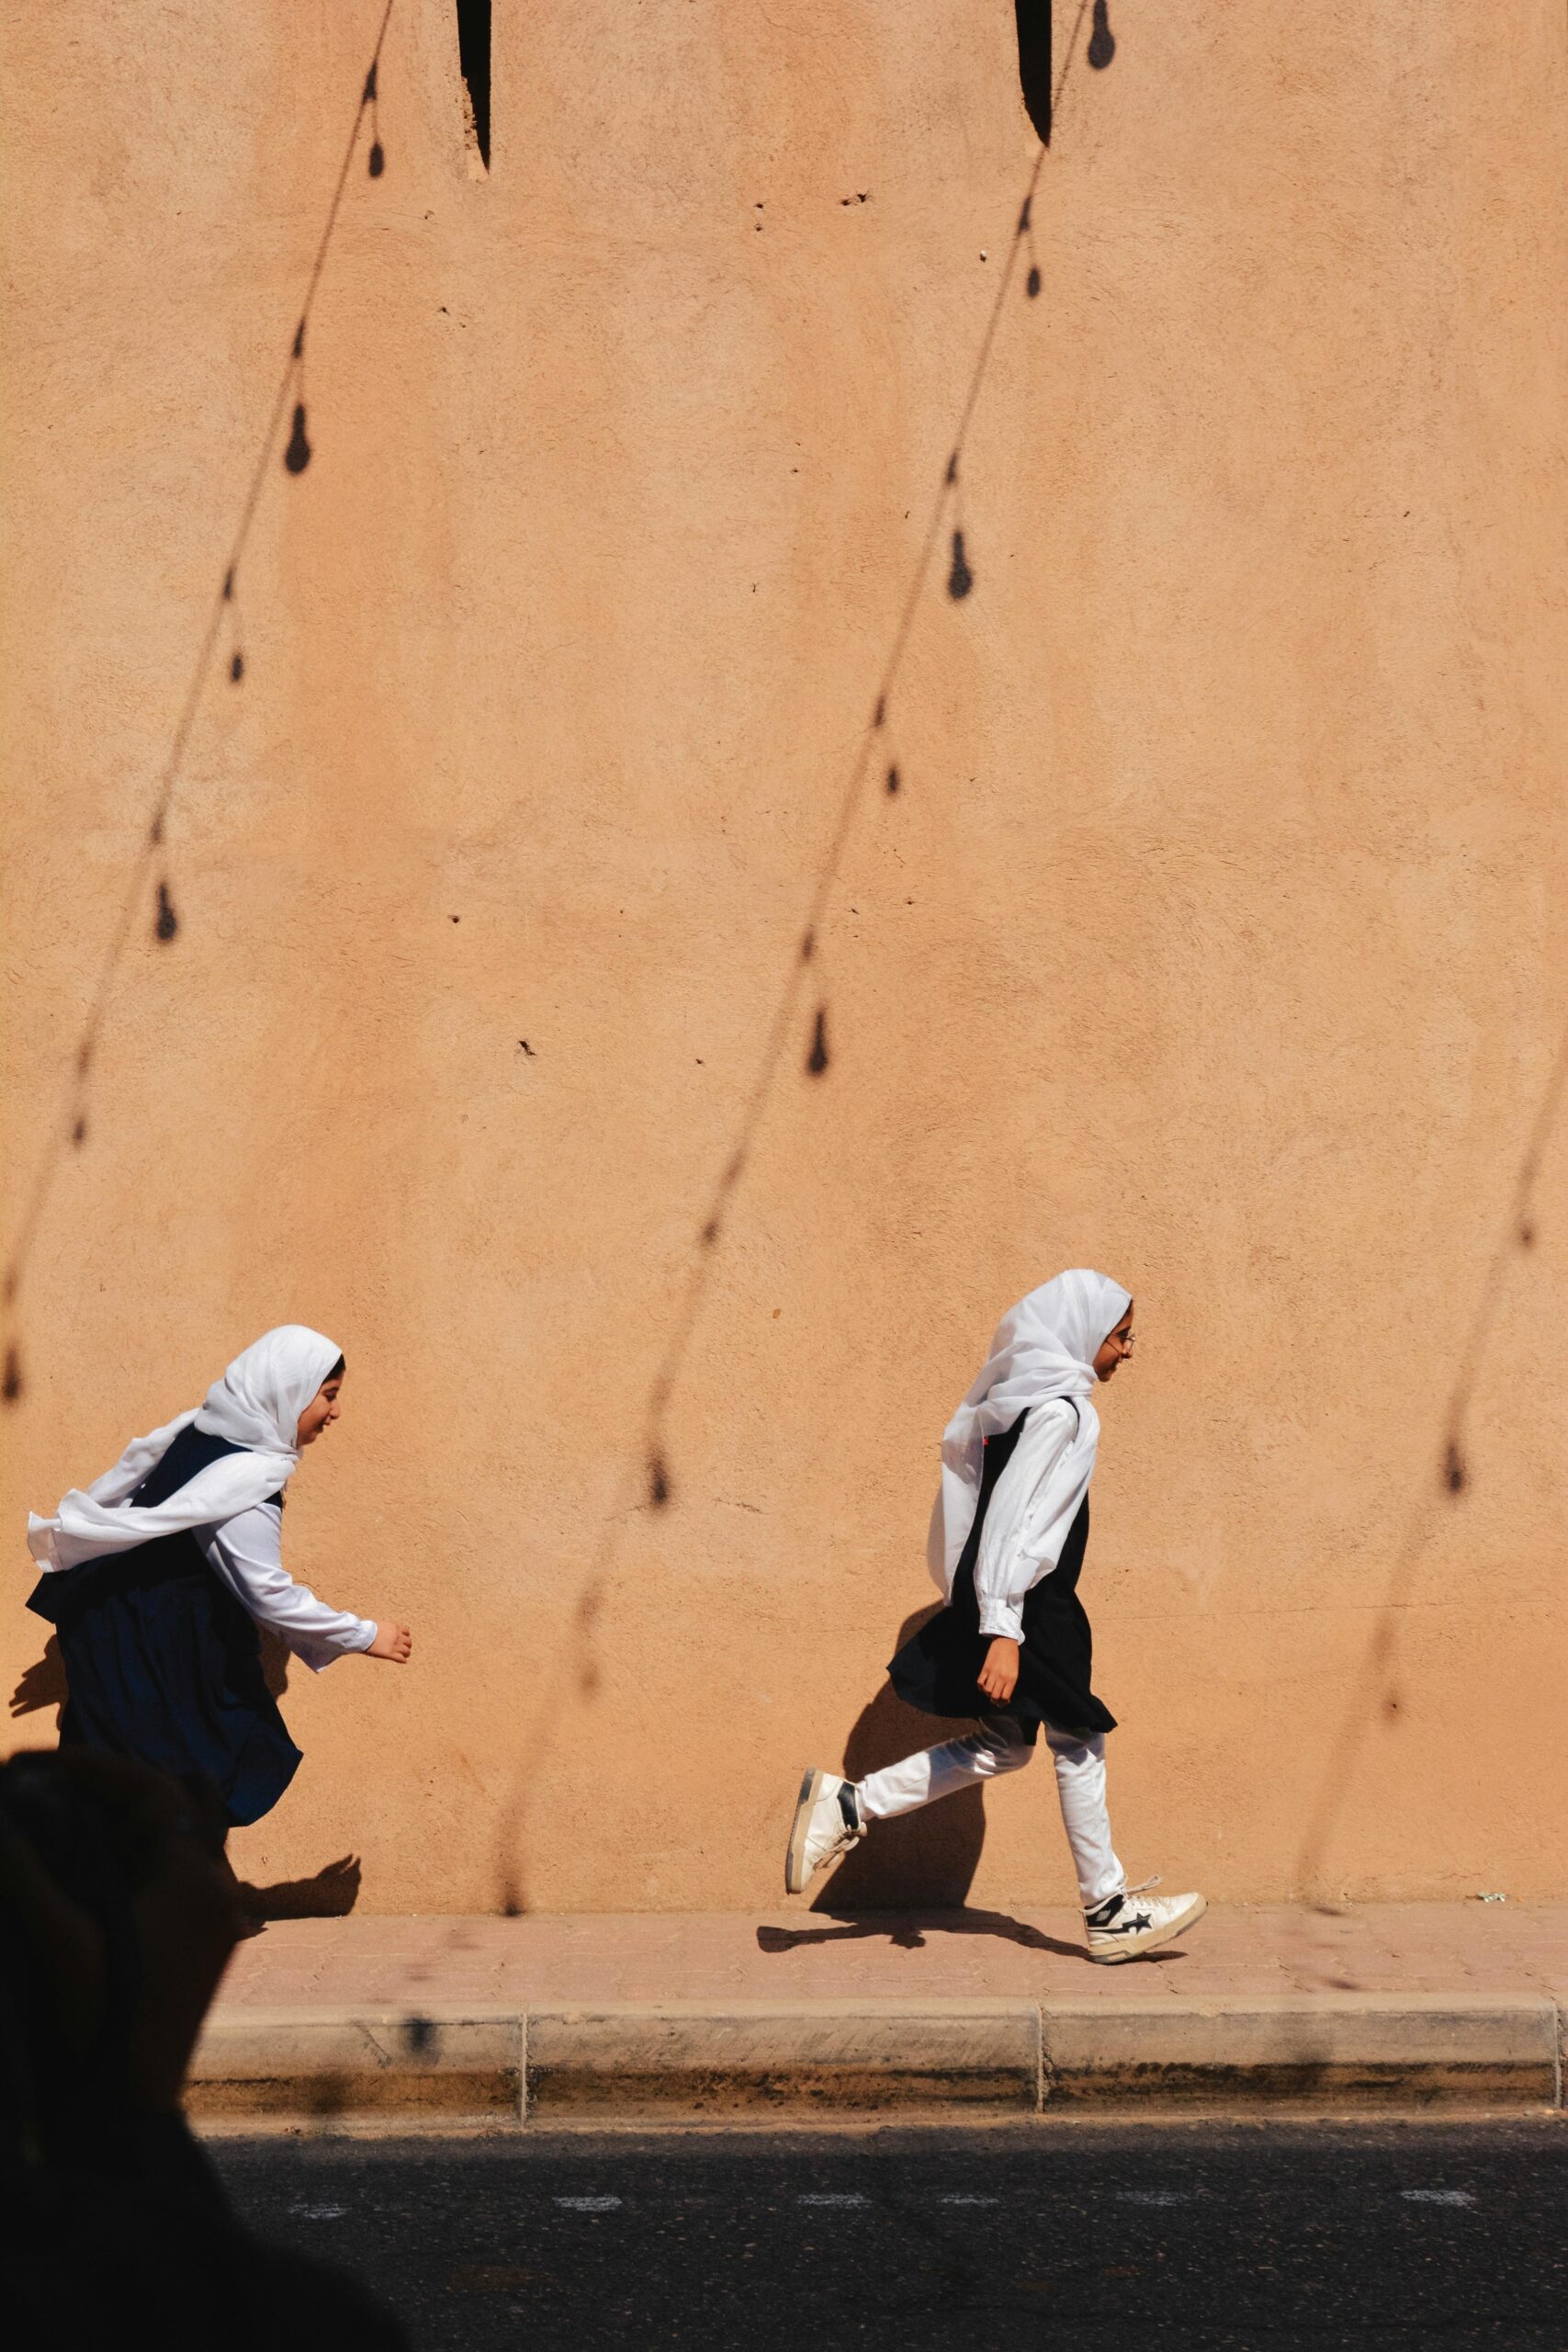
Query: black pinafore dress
{"type": "Point", "coordinates": [936, 1668]}
{"type": "Point", "coordinates": [161, 1660]}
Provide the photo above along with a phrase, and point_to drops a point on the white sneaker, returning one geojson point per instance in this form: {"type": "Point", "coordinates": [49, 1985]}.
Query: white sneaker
{"type": "Point", "coordinates": [826, 1822]}
{"type": "Point", "coordinates": [1127, 1925]}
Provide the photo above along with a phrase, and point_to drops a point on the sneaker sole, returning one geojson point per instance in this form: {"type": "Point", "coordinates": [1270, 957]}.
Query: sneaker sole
{"type": "Point", "coordinates": [796, 1871]}
{"type": "Point", "coordinates": [1177, 1927]}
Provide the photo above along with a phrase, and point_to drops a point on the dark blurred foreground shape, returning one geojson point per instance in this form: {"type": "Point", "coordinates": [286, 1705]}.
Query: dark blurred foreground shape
{"type": "Point", "coordinates": [118, 1914]}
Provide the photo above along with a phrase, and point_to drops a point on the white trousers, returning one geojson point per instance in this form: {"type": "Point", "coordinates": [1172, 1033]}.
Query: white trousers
{"type": "Point", "coordinates": [960, 1763]}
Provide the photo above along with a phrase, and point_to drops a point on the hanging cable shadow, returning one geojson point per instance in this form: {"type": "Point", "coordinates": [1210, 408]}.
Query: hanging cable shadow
{"type": "Point", "coordinates": [960, 582]}
{"type": "Point", "coordinates": [72, 1127]}
{"type": "Point", "coordinates": [1376, 1695]}
{"type": "Point", "coordinates": [653, 1484]}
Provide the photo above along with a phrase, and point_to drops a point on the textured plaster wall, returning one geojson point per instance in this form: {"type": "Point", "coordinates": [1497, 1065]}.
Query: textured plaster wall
{"type": "Point", "coordinates": [1215, 936]}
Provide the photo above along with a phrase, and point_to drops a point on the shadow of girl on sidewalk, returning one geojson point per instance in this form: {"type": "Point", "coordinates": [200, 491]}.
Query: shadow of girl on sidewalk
{"type": "Point", "coordinates": [918, 1867]}
{"type": "Point", "coordinates": [329, 1893]}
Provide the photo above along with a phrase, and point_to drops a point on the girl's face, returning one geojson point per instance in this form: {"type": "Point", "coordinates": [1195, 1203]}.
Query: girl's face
{"type": "Point", "coordinates": [1116, 1349]}
{"type": "Point", "coordinates": [321, 1412]}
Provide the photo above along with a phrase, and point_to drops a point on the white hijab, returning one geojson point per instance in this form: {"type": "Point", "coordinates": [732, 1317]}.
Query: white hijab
{"type": "Point", "coordinates": [1044, 1346]}
{"type": "Point", "coordinates": [257, 1404]}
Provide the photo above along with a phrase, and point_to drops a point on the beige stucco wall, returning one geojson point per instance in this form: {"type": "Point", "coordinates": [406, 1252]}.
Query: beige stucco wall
{"type": "Point", "coordinates": [1216, 935]}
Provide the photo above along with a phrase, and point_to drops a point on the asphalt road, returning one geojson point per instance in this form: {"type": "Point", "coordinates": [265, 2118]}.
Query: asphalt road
{"type": "Point", "coordinates": [1186, 2237]}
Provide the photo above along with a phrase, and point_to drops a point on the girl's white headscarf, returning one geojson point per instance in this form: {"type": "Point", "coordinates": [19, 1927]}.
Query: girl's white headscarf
{"type": "Point", "coordinates": [257, 1404]}
{"type": "Point", "coordinates": [1044, 1346]}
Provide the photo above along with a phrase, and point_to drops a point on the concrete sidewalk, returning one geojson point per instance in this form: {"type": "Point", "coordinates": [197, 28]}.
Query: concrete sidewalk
{"type": "Point", "coordinates": [503, 2021]}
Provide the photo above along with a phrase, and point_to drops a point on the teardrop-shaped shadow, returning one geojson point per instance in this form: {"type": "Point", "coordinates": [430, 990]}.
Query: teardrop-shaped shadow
{"type": "Point", "coordinates": [297, 457]}
{"type": "Point", "coordinates": [960, 578]}
{"type": "Point", "coordinates": [168, 923]}
{"type": "Point", "coordinates": [1102, 40]}
{"type": "Point", "coordinates": [236, 667]}
{"type": "Point", "coordinates": [11, 1386]}
{"type": "Point", "coordinates": [378, 160]}
{"type": "Point", "coordinates": [817, 1060]}
{"type": "Point", "coordinates": [1032, 283]}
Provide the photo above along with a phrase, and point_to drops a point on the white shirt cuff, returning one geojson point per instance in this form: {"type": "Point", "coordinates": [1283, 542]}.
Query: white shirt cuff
{"type": "Point", "coordinates": [1001, 1617]}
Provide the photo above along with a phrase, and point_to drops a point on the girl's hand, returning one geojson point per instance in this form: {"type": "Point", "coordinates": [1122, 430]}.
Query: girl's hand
{"type": "Point", "coordinates": [999, 1677]}
{"type": "Point", "coordinates": [391, 1641]}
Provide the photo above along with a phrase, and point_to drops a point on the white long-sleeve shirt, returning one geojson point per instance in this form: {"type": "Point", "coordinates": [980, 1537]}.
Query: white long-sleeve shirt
{"type": "Point", "coordinates": [247, 1552]}
{"type": "Point", "coordinates": [1031, 1509]}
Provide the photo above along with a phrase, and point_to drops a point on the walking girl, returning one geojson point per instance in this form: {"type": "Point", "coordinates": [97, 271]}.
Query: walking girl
{"type": "Point", "coordinates": [157, 1576]}
{"type": "Point", "coordinates": [1012, 1648]}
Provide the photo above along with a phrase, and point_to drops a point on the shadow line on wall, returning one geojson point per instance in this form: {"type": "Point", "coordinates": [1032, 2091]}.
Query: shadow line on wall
{"type": "Point", "coordinates": [653, 1484]}
{"type": "Point", "coordinates": [71, 1127]}
{"type": "Point", "coordinates": [1375, 1696]}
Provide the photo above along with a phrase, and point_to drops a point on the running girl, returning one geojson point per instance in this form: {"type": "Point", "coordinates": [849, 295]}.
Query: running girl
{"type": "Point", "coordinates": [1012, 1649]}
{"type": "Point", "coordinates": [157, 1576]}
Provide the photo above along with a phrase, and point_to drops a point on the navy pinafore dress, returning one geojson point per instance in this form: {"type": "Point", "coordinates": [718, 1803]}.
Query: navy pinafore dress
{"type": "Point", "coordinates": [935, 1669]}
{"type": "Point", "coordinates": [161, 1660]}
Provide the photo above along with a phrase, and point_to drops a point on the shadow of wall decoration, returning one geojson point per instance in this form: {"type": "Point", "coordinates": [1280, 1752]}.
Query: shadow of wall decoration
{"type": "Point", "coordinates": [653, 1484]}
{"type": "Point", "coordinates": [221, 647]}
{"type": "Point", "coordinates": [1375, 1695]}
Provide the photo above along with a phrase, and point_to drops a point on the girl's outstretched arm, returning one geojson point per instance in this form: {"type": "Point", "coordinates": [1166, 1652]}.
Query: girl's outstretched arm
{"type": "Point", "coordinates": [247, 1552]}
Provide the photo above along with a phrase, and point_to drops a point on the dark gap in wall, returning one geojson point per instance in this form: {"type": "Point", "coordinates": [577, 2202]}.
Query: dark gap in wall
{"type": "Point", "coordinates": [473, 56]}
{"type": "Point", "coordinates": [1033, 20]}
